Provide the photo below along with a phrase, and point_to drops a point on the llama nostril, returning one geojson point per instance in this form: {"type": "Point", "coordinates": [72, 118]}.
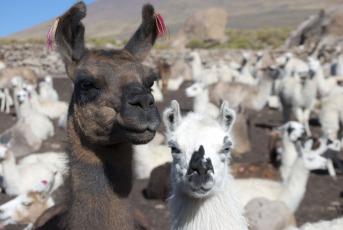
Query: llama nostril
{"type": "Point", "coordinates": [1, 211]}
{"type": "Point", "coordinates": [144, 102]}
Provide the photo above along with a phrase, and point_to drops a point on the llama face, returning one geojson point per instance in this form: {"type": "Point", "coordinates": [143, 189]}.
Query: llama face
{"type": "Point", "coordinates": [200, 148]}
{"type": "Point", "coordinates": [24, 209]}
{"type": "Point", "coordinates": [112, 100]}
{"type": "Point", "coordinates": [22, 96]}
{"type": "Point", "coordinates": [312, 158]}
{"type": "Point", "coordinates": [294, 130]}
{"type": "Point", "coordinates": [118, 94]}
{"type": "Point", "coordinates": [3, 151]}
{"type": "Point", "coordinates": [194, 89]}
{"type": "Point", "coordinates": [27, 207]}
{"type": "Point", "coordinates": [194, 56]}
{"type": "Point", "coordinates": [2, 64]}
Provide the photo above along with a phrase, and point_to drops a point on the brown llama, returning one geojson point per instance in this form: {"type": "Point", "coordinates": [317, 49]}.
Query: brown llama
{"type": "Point", "coordinates": [111, 109]}
{"type": "Point", "coordinates": [164, 72]}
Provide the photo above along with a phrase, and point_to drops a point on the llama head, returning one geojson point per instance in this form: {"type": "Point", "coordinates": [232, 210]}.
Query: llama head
{"type": "Point", "coordinates": [195, 89]}
{"type": "Point", "coordinates": [27, 207]}
{"type": "Point", "coordinates": [4, 151]}
{"type": "Point", "coordinates": [194, 57]}
{"type": "Point", "coordinates": [200, 147]}
{"type": "Point", "coordinates": [112, 89]}
{"type": "Point", "coordinates": [293, 130]}
{"type": "Point", "coordinates": [312, 158]}
{"type": "Point", "coordinates": [22, 96]}
{"type": "Point", "coordinates": [3, 64]}
{"type": "Point", "coordinates": [48, 81]}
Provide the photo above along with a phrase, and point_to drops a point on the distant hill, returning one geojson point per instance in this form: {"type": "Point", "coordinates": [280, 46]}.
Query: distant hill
{"type": "Point", "coordinates": [118, 18]}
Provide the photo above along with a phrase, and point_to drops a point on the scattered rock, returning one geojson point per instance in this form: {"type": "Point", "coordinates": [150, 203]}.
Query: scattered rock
{"type": "Point", "coordinates": [262, 214]}
{"type": "Point", "coordinates": [207, 26]}
{"type": "Point", "coordinates": [318, 31]}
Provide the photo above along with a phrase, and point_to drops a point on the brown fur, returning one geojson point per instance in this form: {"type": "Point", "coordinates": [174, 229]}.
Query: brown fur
{"type": "Point", "coordinates": [240, 131]}
{"type": "Point", "coordinates": [247, 96]}
{"type": "Point", "coordinates": [9, 73]}
{"type": "Point", "coordinates": [160, 184]}
{"type": "Point", "coordinates": [38, 206]}
{"type": "Point", "coordinates": [51, 218]}
{"type": "Point", "coordinates": [111, 109]}
{"type": "Point", "coordinates": [164, 72]}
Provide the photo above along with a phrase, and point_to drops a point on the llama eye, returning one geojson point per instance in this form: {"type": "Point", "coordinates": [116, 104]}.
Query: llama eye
{"type": "Point", "coordinates": [26, 204]}
{"type": "Point", "coordinates": [175, 150]}
{"type": "Point", "coordinates": [226, 150]}
{"type": "Point", "coordinates": [86, 85]}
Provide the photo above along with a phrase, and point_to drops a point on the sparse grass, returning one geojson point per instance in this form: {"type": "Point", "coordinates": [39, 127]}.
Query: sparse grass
{"type": "Point", "coordinates": [256, 39]}
{"type": "Point", "coordinates": [10, 41]}
{"type": "Point", "coordinates": [238, 39]}
{"type": "Point", "coordinates": [196, 44]}
{"type": "Point", "coordinates": [101, 42]}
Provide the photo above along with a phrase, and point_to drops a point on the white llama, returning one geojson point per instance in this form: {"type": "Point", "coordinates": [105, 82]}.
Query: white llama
{"type": "Point", "coordinates": [46, 89]}
{"type": "Point", "coordinates": [204, 195]}
{"type": "Point", "coordinates": [209, 76]}
{"type": "Point", "coordinates": [202, 103]}
{"type": "Point", "coordinates": [22, 177]}
{"type": "Point", "coordinates": [27, 207]}
{"type": "Point", "coordinates": [292, 189]}
{"type": "Point", "coordinates": [298, 95]}
{"type": "Point", "coordinates": [40, 125]}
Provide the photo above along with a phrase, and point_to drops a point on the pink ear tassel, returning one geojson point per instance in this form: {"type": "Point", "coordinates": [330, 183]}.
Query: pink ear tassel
{"type": "Point", "coordinates": [51, 34]}
{"type": "Point", "coordinates": [161, 27]}
{"type": "Point", "coordinates": [44, 182]}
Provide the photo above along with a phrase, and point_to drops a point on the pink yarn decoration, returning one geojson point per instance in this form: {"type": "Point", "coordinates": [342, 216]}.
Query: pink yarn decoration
{"type": "Point", "coordinates": [51, 34]}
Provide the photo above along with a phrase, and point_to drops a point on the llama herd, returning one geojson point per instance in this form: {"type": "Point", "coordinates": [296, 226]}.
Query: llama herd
{"type": "Point", "coordinates": [111, 134]}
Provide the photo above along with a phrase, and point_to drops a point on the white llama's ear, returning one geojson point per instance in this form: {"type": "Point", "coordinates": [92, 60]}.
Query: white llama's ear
{"type": "Point", "coordinates": [227, 116]}
{"type": "Point", "coordinates": [308, 144]}
{"type": "Point", "coordinates": [172, 116]}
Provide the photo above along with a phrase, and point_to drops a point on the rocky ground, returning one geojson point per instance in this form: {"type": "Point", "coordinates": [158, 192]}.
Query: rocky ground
{"type": "Point", "coordinates": [322, 199]}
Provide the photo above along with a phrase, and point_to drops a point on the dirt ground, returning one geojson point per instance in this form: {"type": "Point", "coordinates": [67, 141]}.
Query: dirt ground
{"type": "Point", "coordinates": [322, 199]}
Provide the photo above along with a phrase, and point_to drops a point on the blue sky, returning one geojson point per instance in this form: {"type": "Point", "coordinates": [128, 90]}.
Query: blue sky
{"type": "Point", "coordinates": [17, 15]}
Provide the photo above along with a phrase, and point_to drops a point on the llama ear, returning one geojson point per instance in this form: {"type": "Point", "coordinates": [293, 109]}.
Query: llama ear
{"type": "Point", "coordinates": [172, 116]}
{"type": "Point", "coordinates": [308, 144]}
{"type": "Point", "coordinates": [227, 116]}
{"type": "Point", "coordinates": [144, 38]}
{"type": "Point", "coordinates": [44, 188]}
{"type": "Point", "coordinates": [69, 36]}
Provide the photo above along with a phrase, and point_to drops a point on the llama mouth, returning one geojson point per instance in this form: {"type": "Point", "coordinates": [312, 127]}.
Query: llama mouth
{"type": "Point", "coordinates": [140, 136]}
{"type": "Point", "coordinates": [201, 190]}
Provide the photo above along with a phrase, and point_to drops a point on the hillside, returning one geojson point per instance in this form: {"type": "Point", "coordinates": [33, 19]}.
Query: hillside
{"type": "Point", "coordinates": [116, 18]}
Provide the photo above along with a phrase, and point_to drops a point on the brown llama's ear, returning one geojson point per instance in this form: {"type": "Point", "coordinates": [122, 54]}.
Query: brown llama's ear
{"type": "Point", "coordinates": [172, 116]}
{"type": "Point", "coordinates": [144, 38]}
{"type": "Point", "coordinates": [69, 36]}
{"type": "Point", "coordinates": [227, 116]}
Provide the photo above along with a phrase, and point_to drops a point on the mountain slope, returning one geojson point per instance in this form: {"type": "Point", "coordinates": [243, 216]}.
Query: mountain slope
{"type": "Point", "coordinates": [117, 18]}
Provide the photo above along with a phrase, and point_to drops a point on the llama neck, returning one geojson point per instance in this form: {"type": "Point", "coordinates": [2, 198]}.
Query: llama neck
{"type": "Point", "coordinates": [220, 211]}
{"type": "Point", "coordinates": [288, 157]}
{"type": "Point", "coordinates": [11, 172]}
{"type": "Point", "coordinates": [321, 81]}
{"type": "Point", "coordinates": [294, 188]}
{"type": "Point", "coordinates": [25, 110]}
{"type": "Point", "coordinates": [34, 102]}
{"type": "Point", "coordinates": [201, 100]}
{"type": "Point", "coordinates": [196, 68]}
{"type": "Point", "coordinates": [100, 182]}
{"type": "Point", "coordinates": [263, 90]}
{"type": "Point", "coordinates": [339, 67]}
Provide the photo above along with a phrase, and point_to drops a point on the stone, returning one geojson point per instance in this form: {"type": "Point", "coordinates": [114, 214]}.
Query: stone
{"type": "Point", "coordinates": [207, 26]}
{"type": "Point", "coordinates": [262, 214]}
